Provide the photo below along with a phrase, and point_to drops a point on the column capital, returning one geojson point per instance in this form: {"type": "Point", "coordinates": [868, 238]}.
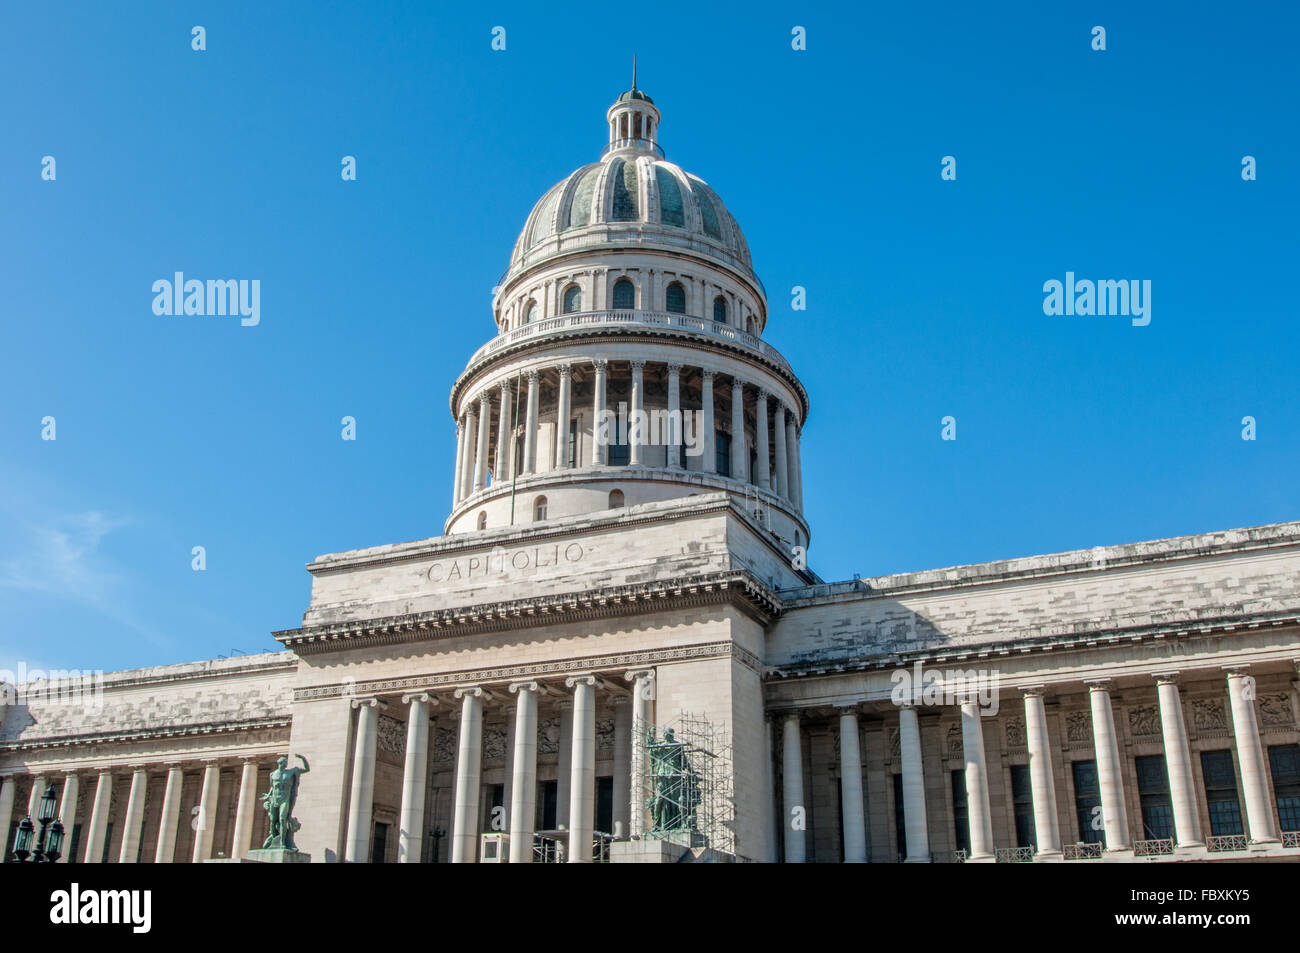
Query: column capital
{"type": "Point", "coordinates": [848, 708]}
{"type": "Point", "coordinates": [600, 364]}
{"type": "Point", "coordinates": [420, 697]}
{"type": "Point", "coordinates": [573, 681]}
{"type": "Point", "coordinates": [473, 691]}
{"type": "Point", "coordinates": [528, 685]}
{"type": "Point", "coordinates": [372, 702]}
{"type": "Point", "coordinates": [791, 715]}
{"type": "Point", "coordinates": [637, 365]}
{"type": "Point", "coordinates": [1166, 678]}
{"type": "Point", "coordinates": [762, 393]}
{"type": "Point", "coordinates": [708, 372]}
{"type": "Point", "coordinates": [674, 367]}
{"type": "Point", "coordinates": [256, 759]}
{"type": "Point", "coordinates": [1238, 670]}
{"type": "Point", "coordinates": [737, 383]}
{"type": "Point", "coordinates": [507, 386]}
{"type": "Point", "coordinates": [564, 370]}
{"type": "Point", "coordinates": [1033, 691]}
{"type": "Point", "coordinates": [533, 375]}
{"type": "Point", "coordinates": [1098, 684]}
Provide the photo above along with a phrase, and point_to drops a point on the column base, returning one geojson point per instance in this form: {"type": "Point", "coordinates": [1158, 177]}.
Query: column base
{"type": "Point", "coordinates": [924, 859]}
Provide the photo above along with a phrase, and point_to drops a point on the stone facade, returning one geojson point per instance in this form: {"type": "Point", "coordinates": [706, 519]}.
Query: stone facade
{"type": "Point", "coordinates": [489, 692]}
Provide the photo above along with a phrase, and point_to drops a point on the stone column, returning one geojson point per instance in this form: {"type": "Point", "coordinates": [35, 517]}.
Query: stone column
{"type": "Point", "coordinates": [1047, 827]}
{"type": "Point", "coordinates": [471, 452]}
{"type": "Point", "coordinates": [622, 816]}
{"type": "Point", "coordinates": [33, 803]}
{"type": "Point", "coordinates": [245, 810]}
{"type": "Point", "coordinates": [361, 800]}
{"type": "Point", "coordinates": [1178, 760]}
{"type": "Point", "coordinates": [793, 806]}
{"type": "Point", "coordinates": [916, 826]}
{"type": "Point", "coordinates": [780, 478]}
{"type": "Point", "coordinates": [1110, 769]}
{"type": "Point", "coordinates": [599, 435]}
{"type": "Point", "coordinates": [794, 478]}
{"type": "Point", "coordinates": [165, 853]}
{"type": "Point", "coordinates": [1250, 756]}
{"type": "Point", "coordinates": [582, 784]}
{"type": "Point", "coordinates": [709, 436]}
{"type": "Point", "coordinates": [415, 778]}
{"type": "Point", "coordinates": [979, 814]}
{"type": "Point", "coordinates": [481, 443]}
{"type": "Point", "coordinates": [523, 799]}
{"type": "Point", "coordinates": [469, 773]}
{"type": "Point", "coordinates": [851, 801]}
{"type": "Point", "coordinates": [7, 811]}
{"type": "Point", "coordinates": [636, 415]}
{"type": "Point", "coordinates": [773, 829]}
{"type": "Point", "coordinates": [505, 424]}
{"type": "Point", "coordinates": [564, 764]}
{"type": "Point", "coordinates": [739, 457]}
{"type": "Point", "coordinates": [129, 852]}
{"type": "Point", "coordinates": [643, 693]}
{"type": "Point", "coordinates": [763, 475]}
{"type": "Point", "coordinates": [563, 412]}
{"type": "Point", "coordinates": [460, 464]}
{"type": "Point", "coordinates": [67, 811]}
{"type": "Point", "coordinates": [207, 828]}
{"type": "Point", "coordinates": [99, 818]}
{"type": "Point", "coordinates": [674, 435]}
{"type": "Point", "coordinates": [530, 423]}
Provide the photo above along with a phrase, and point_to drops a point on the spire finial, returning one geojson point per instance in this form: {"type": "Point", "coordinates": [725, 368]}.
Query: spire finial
{"type": "Point", "coordinates": [634, 71]}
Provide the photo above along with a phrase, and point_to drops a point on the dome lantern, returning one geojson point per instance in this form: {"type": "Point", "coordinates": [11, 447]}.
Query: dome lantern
{"type": "Point", "coordinates": [633, 121]}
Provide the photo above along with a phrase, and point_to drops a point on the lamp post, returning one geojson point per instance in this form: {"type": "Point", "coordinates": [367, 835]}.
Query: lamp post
{"type": "Point", "coordinates": [49, 842]}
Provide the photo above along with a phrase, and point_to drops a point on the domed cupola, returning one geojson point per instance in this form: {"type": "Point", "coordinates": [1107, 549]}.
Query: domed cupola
{"type": "Point", "coordinates": [629, 365]}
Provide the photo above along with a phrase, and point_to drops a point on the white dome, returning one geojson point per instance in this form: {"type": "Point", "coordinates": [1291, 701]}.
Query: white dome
{"type": "Point", "coordinates": [632, 197]}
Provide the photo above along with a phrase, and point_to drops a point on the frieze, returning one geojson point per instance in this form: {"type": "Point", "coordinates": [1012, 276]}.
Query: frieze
{"type": "Point", "coordinates": [1208, 714]}
{"type": "Point", "coordinates": [444, 745]}
{"type": "Point", "coordinates": [390, 735]}
{"type": "Point", "coordinates": [1078, 727]}
{"type": "Point", "coordinates": [499, 561]}
{"type": "Point", "coordinates": [1016, 731]}
{"type": "Point", "coordinates": [605, 734]}
{"type": "Point", "coordinates": [548, 736]}
{"type": "Point", "coordinates": [505, 673]}
{"type": "Point", "coordinates": [494, 742]}
{"type": "Point", "coordinates": [1275, 710]}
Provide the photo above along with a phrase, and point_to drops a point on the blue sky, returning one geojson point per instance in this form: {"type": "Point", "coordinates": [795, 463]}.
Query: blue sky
{"type": "Point", "coordinates": [924, 296]}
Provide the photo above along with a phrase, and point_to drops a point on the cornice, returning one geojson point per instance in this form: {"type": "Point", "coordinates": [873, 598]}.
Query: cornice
{"type": "Point", "coordinates": [617, 663]}
{"type": "Point", "coordinates": [737, 587]}
{"type": "Point", "coordinates": [145, 734]}
{"type": "Point", "coordinates": [1076, 640]}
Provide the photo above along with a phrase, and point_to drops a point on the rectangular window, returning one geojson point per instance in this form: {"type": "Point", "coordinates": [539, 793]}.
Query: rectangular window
{"type": "Point", "coordinates": [1221, 793]}
{"type": "Point", "coordinates": [379, 848]}
{"type": "Point", "coordinates": [108, 840]}
{"type": "Point", "coordinates": [1153, 792]}
{"type": "Point", "coordinates": [572, 451]}
{"type": "Point", "coordinates": [960, 812]}
{"type": "Point", "coordinates": [1087, 802]}
{"type": "Point", "coordinates": [605, 805]}
{"type": "Point", "coordinates": [546, 799]}
{"type": "Point", "coordinates": [722, 441]}
{"type": "Point", "coordinates": [1022, 802]}
{"type": "Point", "coordinates": [1284, 760]}
{"type": "Point", "coordinates": [900, 822]}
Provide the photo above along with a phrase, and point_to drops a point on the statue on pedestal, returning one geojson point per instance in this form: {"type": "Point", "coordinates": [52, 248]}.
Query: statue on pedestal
{"type": "Point", "coordinates": [279, 802]}
{"type": "Point", "coordinates": [676, 785]}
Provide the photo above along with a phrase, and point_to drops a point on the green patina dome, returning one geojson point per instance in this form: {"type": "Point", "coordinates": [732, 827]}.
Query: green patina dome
{"type": "Point", "coordinates": [635, 93]}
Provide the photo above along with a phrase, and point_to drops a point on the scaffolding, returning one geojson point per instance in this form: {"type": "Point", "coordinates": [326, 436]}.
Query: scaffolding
{"type": "Point", "coordinates": [686, 784]}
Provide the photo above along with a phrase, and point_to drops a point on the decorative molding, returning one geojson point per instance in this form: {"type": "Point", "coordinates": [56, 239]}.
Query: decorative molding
{"type": "Point", "coordinates": [505, 674]}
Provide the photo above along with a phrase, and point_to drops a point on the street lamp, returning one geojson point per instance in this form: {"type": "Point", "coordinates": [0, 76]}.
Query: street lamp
{"type": "Point", "coordinates": [49, 843]}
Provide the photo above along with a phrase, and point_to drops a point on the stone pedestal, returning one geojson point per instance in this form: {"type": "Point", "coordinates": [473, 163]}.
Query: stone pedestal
{"type": "Point", "coordinates": [276, 855]}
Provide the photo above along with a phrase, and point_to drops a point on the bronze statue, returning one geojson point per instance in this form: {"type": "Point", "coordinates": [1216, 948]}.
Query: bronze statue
{"type": "Point", "coordinates": [279, 802]}
{"type": "Point", "coordinates": [676, 786]}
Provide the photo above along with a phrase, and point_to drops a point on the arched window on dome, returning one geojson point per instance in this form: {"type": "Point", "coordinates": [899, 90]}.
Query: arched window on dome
{"type": "Point", "coordinates": [539, 509]}
{"type": "Point", "coordinates": [572, 299]}
{"type": "Point", "coordinates": [616, 500]}
{"type": "Point", "coordinates": [675, 299]}
{"type": "Point", "coordinates": [720, 309]}
{"type": "Point", "coordinates": [530, 312]}
{"type": "Point", "coordinates": [482, 519]}
{"type": "Point", "coordinates": [624, 295]}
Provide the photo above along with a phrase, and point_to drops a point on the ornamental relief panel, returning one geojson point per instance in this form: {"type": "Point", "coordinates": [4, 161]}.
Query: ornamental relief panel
{"type": "Point", "coordinates": [1208, 714]}
{"type": "Point", "coordinates": [1078, 727]}
{"type": "Point", "coordinates": [444, 744]}
{"type": "Point", "coordinates": [605, 733]}
{"type": "Point", "coordinates": [895, 744]}
{"type": "Point", "coordinates": [1144, 721]}
{"type": "Point", "coordinates": [954, 746]}
{"type": "Point", "coordinates": [1016, 731]}
{"type": "Point", "coordinates": [1275, 710]}
{"type": "Point", "coordinates": [390, 735]}
{"type": "Point", "coordinates": [548, 736]}
{"type": "Point", "coordinates": [494, 742]}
